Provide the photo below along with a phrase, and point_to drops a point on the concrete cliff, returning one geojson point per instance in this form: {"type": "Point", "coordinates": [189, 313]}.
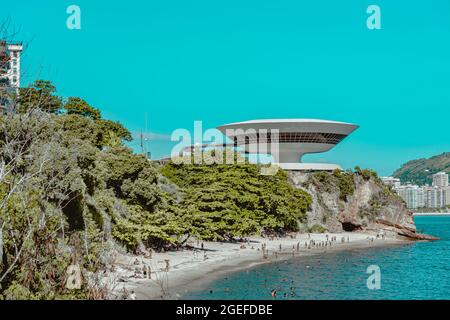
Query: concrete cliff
{"type": "Point", "coordinates": [355, 201]}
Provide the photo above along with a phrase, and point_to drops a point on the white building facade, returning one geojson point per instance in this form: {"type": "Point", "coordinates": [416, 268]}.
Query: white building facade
{"type": "Point", "coordinates": [413, 196]}
{"type": "Point", "coordinates": [440, 179]}
{"type": "Point", "coordinates": [391, 181]}
{"type": "Point", "coordinates": [435, 196]}
{"type": "Point", "coordinates": [13, 73]}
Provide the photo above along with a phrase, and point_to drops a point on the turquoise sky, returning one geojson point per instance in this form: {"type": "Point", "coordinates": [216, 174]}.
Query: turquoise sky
{"type": "Point", "coordinates": [224, 61]}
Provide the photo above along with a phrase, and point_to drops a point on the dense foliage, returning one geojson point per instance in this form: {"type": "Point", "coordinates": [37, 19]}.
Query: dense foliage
{"type": "Point", "coordinates": [66, 184]}
{"type": "Point", "coordinates": [71, 192]}
{"type": "Point", "coordinates": [226, 201]}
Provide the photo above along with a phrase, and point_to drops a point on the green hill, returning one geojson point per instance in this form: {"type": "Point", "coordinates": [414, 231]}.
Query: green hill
{"type": "Point", "coordinates": [420, 171]}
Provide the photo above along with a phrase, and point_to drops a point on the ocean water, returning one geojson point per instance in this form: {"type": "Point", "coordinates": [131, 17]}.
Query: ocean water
{"type": "Point", "coordinates": [414, 271]}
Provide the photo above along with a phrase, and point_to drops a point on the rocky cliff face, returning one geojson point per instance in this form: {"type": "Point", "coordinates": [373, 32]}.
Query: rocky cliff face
{"type": "Point", "coordinates": [347, 201]}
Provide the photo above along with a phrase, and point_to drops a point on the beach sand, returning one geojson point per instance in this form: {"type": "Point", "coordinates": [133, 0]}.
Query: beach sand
{"type": "Point", "coordinates": [194, 269]}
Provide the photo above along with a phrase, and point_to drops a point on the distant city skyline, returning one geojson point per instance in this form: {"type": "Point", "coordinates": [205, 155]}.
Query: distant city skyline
{"type": "Point", "coordinates": [435, 196]}
{"type": "Point", "coordinates": [230, 61]}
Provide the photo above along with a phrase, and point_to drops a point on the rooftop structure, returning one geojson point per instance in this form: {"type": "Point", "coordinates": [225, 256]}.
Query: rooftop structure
{"type": "Point", "coordinates": [287, 140]}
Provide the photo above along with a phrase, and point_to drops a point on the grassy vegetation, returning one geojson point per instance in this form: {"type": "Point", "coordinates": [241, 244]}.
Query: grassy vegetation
{"type": "Point", "coordinates": [339, 181]}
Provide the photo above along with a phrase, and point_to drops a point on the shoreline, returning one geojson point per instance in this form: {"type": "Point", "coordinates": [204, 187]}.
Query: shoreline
{"type": "Point", "coordinates": [422, 214]}
{"type": "Point", "coordinates": [192, 270]}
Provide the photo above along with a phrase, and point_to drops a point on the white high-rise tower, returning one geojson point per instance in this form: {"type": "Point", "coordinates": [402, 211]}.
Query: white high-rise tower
{"type": "Point", "coordinates": [13, 73]}
{"type": "Point", "coordinates": [440, 179]}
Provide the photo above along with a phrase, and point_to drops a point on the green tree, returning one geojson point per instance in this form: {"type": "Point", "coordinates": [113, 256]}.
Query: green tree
{"type": "Point", "coordinates": [225, 201]}
{"type": "Point", "coordinates": [109, 131]}
{"type": "Point", "coordinates": [39, 95]}
{"type": "Point", "coordinates": [75, 105]}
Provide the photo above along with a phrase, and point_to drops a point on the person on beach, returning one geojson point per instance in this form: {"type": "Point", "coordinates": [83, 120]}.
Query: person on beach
{"type": "Point", "coordinates": [144, 271]}
{"type": "Point", "coordinates": [274, 293]}
{"type": "Point", "coordinates": [125, 294]}
{"type": "Point", "coordinates": [167, 261]}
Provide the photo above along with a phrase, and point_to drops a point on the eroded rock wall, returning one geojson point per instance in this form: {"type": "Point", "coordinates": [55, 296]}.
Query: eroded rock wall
{"type": "Point", "coordinates": [348, 201]}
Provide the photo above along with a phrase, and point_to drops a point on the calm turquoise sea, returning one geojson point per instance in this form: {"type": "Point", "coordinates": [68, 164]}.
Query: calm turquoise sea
{"type": "Point", "coordinates": [414, 271]}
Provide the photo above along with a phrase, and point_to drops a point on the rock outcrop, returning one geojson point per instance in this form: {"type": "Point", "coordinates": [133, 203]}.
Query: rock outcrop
{"type": "Point", "coordinates": [355, 201]}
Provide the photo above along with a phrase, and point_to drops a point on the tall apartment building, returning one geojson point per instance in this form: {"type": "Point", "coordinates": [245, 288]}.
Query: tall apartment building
{"type": "Point", "coordinates": [15, 52]}
{"type": "Point", "coordinates": [440, 179]}
{"type": "Point", "coordinates": [10, 60]}
{"type": "Point", "coordinates": [432, 200]}
{"type": "Point", "coordinates": [413, 195]}
{"type": "Point", "coordinates": [436, 197]}
{"type": "Point", "coordinates": [4, 62]}
{"type": "Point", "coordinates": [10, 55]}
{"type": "Point", "coordinates": [446, 196]}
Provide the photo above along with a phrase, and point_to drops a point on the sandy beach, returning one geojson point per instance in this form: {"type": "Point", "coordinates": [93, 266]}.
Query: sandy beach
{"type": "Point", "coordinates": [175, 273]}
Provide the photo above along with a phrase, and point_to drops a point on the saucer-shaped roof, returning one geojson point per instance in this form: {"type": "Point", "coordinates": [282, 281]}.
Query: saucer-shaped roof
{"type": "Point", "coordinates": [293, 125]}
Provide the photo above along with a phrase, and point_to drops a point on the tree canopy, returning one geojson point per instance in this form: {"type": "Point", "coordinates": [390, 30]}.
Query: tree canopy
{"type": "Point", "coordinates": [41, 94]}
{"type": "Point", "coordinates": [71, 191]}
